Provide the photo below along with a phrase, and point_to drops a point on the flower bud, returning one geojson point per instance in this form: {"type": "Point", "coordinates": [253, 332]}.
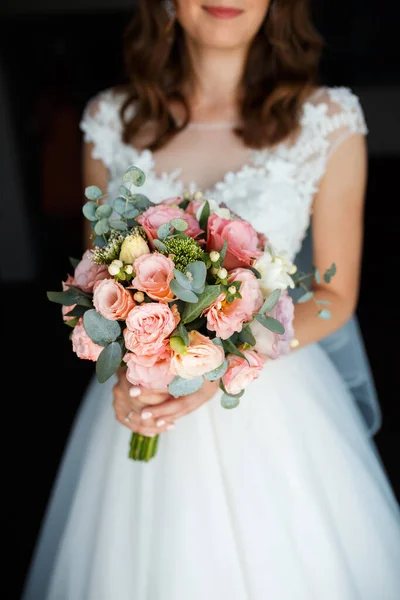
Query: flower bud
{"type": "Point", "coordinates": [294, 343]}
{"type": "Point", "coordinates": [129, 269]}
{"type": "Point", "coordinates": [138, 297]}
{"type": "Point", "coordinates": [198, 195]}
{"type": "Point", "coordinates": [214, 271]}
{"type": "Point", "coordinates": [232, 289]}
{"type": "Point", "coordinates": [113, 269]}
{"type": "Point", "coordinates": [118, 263]}
{"type": "Point", "coordinates": [222, 273]}
{"type": "Point", "coordinates": [293, 270]}
{"type": "Point", "coordinates": [132, 247]}
{"type": "Point", "coordinates": [214, 256]}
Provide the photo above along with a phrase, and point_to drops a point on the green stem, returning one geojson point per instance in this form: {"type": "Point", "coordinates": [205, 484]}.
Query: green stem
{"type": "Point", "coordinates": [143, 448]}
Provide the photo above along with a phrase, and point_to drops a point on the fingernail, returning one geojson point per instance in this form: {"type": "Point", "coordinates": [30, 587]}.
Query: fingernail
{"type": "Point", "coordinates": [160, 423]}
{"type": "Point", "coordinates": [172, 426]}
{"type": "Point", "coordinates": [134, 392]}
{"type": "Point", "coordinates": [146, 415]}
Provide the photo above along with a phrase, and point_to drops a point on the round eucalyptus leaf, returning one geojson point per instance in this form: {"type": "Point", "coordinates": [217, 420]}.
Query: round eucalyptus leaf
{"type": "Point", "coordinates": [118, 224]}
{"type": "Point", "coordinates": [182, 280]}
{"type": "Point", "coordinates": [102, 331]}
{"type": "Point", "coordinates": [163, 231]}
{"type": "Point", "coordinates": [120, 205]}
{"type": "Point", "coordinates": [325, 314]}
{"type": "Point", "coordinates": [89, 210]}
{"type": "Point", "coordinates": [130, 213]}
{"type": "Point", "coordinates": [182, 293]}
{"type": "Point", "coordinates": [99, 241]}
{"type": "Point", "coordinates": [218, 372]}
{"type": "Point", "coordinates": [160, 246]}
{"type": "Point", "coordinates": [108, 361]}
{"type": "Point", "coordinates": [93, 192]}
{"type": "Point", "coordinates": [102, 227]}
{"type": "Point", "coordinates": [179, 224]}
{"type": "Point", "coordinates": [229, 401]}
{"type": "Point", "coordinates": [134, 175]}
{"type": "Point", "coordinates": [104, 211]}
{"type": "Point", "coordinates": [183, 387]}
{"type": "Point", "coordinates": [305, 297]}
{"type": "Point", "coordinates": [124, 191]}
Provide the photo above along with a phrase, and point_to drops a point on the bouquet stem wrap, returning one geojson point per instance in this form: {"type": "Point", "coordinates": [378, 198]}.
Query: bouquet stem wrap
{"type": "Point", "coordinates": [143, 448]}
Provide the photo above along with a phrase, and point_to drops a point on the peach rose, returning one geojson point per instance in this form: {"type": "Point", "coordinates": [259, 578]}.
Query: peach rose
{"type": "Point", "coordinates": [240, 372]}
{"type": "Point", "coordinates": [273, 345]}
{"type": "Point", "coordinates": [226, 319]}
{"type": "Point", "coordinates": [148, 327]}
{"type": "Point", "coordinates": [202, 356]}
{"type": "Point", "coordinates": [112, 300]}
{"type": "Point", "coordinates": [87, 272]}
{"type": "Point", "coordinates": [83, 345]}
{"type": "Point", "coordinates": [154, 273]}
{"type": "Point", "coordinates": [241, 237]}
{"type": "Point", "coordinates": [66, 309]}
{"type": "Point", "coordinates": [158, 215]}
{"type": "Point", "coordinates": [155, 375]}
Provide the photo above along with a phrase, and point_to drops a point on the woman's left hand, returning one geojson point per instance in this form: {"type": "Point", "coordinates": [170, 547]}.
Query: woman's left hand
{"type": "Point", "coordinates": [175, 408]}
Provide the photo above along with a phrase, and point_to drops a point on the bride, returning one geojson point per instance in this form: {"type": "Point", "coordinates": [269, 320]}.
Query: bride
{"type": "Point", "coordinates": [283, 498]}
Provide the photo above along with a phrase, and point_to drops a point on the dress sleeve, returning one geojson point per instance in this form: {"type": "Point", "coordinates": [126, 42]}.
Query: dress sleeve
{"type": "Point", "coordinates": [343, 117]}
{"type": "Point", "coordinates": [101, 125]}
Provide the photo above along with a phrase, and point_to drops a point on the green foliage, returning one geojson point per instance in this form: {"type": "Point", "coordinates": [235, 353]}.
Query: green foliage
{"type": "Point", "coordinates": [100, 330]}
{"type": "Point", "coordinates": [229, 402]}
{"type": "Point", "coordinates": [181, 331]}
{"type": "Point", "coordinates": [93, 192]}
{"type": "Point", "coordinates": [305, 297]}
{"type": "Point", "coordinates": [178, 345]}
{"type": "Point", "coordinates": [329, 273]}
{"type": "Point", "coordinates": [108, 361]}
{"type": "Point", "coordinates": [104, 211]}
{"type": "Point", "coordinates": [193, 311]}
{"type": "Point", "coordinates": [205, 214]}
{"type": "Point", "coordinates": [246, 337]}
{"type": "Point", "coordinates": [218, 372]}
{"type": "Point", "coordinates": [183, 293]}
{"type": "Point", "coordinates": [270, 323]}
{"type": "Point", "coordinates": [183, 251]}
{"type": "Point", "coordinates": [179, 224]}
{"type": "Point", "coordinates": [230, 348]}
{"type": "Point", "coordinates": [324, 314]}
{"type": "Point", "coordinates": [164, 231]}
{"type": "Point", "coordinates": [135, 176]}
{"type": "Point", "coordinates": [89, 210]}
{"type": "Point", "coordinates": [183, 387]}
{"type": "Point", "coordinates": [270, 302]}
{"type": "Point", "coordinates": [102, 227]}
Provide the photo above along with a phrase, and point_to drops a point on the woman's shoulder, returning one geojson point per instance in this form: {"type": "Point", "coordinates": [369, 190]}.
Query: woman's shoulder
{"type": "Point", "coordinates": [334, 108]}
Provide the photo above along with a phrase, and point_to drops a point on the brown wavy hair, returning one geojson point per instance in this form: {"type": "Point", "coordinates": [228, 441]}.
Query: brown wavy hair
{"type": "Point", "coordinates": [281, 71]}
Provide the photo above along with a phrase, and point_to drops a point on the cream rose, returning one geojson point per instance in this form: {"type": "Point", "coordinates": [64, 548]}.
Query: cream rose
{"type": "Point", "coordinates": [202, 356]}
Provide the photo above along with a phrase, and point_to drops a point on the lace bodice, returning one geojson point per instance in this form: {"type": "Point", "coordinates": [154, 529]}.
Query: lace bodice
{"type": "Point", "coordinates": [272, 188]}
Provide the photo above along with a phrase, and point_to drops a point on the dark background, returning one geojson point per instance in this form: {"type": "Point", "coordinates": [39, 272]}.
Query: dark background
{"type": "Point", "coordinates": [54, 56]}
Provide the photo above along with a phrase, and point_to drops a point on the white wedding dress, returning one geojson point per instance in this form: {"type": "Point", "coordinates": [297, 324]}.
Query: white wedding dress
{"type": "Point", "coordinates": [283, 498]}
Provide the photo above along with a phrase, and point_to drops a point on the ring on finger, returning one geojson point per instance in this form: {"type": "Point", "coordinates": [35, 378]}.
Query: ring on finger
{"type": "Point", "coordinates": [128, 416]}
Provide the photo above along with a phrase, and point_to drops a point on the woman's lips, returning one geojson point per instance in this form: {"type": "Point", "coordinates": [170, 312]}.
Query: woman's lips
{"type": "Point", "coordinates": [223, 12]}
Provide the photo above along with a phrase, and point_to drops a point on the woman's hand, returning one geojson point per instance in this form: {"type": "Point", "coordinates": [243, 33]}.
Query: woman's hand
{"type": "Point", "coordinates": [148, 412]}
{"type": "Point", "coordinates": [130, 401]}
{"type": "Point", "coordinates": [172, 409]}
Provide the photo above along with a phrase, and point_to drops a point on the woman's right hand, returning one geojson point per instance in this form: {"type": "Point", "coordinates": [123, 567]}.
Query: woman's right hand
{"type": "Point", "coordinates": [129, 402]}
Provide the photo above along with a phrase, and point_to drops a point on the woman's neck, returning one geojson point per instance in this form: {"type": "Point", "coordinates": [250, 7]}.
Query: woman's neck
{"type": "Point", "coordinates": [217, 75]}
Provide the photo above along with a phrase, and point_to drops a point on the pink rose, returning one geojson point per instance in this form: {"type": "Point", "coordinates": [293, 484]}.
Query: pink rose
{"type": "Point", "coordinates": [240, 372]}
{"type": "Point", "coordinates": [226, 319]}
{"type": "Point", "coordinates": [154, 273]}
{"type": "Point", "coordinates": [273, 345]}
{"type": "Point", "coordinates": [202, 356]}
{"type": "Point", "coordinates": [156, 375]}
{"type": "Point", "coordinates": [194, 206]}
{"type": "Point", "coordinates": [158, 215]}
{"type": "Point", "coordinates": [241, 237]}
{"type": "Point", "coordinates": [87, 273]}
{"type": "Point", "coordinates": [148, 327]}
{"type": "Point", "coordinates": [66, 309]}
{"type": "Point", "coordinates": [82, 344]}
{"type": "Point", "coordinates": [112, 300]}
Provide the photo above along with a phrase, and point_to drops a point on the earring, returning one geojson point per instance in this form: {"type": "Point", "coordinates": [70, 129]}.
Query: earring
{"type": "Point", "coordinates": [170, 9]}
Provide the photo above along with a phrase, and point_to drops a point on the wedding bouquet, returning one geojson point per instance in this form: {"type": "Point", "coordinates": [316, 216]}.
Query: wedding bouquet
{"type": "Point", "coordinates": [178, 292]}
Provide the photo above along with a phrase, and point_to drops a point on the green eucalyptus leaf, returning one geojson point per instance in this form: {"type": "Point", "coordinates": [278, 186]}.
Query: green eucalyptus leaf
{"type": "Point", "coordinates": [118, 224]}
{"type": "Point", "coordinates": [77, 311]}
{"type": "Point", "coordinates": [230, 348]}
{"type": "Point", "coordinates": [72, 322]}
{"type": "Point", "coordinates": [270, 323]}
{"type": "Point", "coordinates": [102, 227]}
{"type": "Point", "coordinates": [183, 293]}
{"type": "Point", "coordinates": [179, 224]}
{"type": "Point", "coordinates": [317, 275]}
{"type": "Point", "coordinates": [124, 191]}
{"type": "Point", "coordinates": [270, 302]}
{"type": "Point", "coordinates": [92, 192]}
{"type": "Point", "coordinates": [324, 314]}
{"type": "Point", "coordinates": [89, 210]}
{"type": "Point", "coordinates": [184, 204]}
{"type": "Point", "coordinates": [256, 273]}
{"type": "Point", "coordinates": [160, 246]}
{"type": "Point", "coordinates": [197, 324]}
{"type": "Point", "coordinates": [218, 372]}
{"type": "Point", "coordinates": [104, 211]}
{"type": "Point", "coordinates": [130, 213]}
{"type": "Point", "coordinates": [142, 202]}
{"type": "Point", "coordinates": [183, 387]}
{"type": "Point", "coordinates": [205, 214]}
{"type": "Point", "coordinates": [164, 231]}
{"type": "Point", "coordinates": [305, 297]}
{"type": "Point", "coordinates": [108, 361]}
{"type": "Point", "coordinates": [247, 337]}
{"type": "Point", "coordinates": [100, 241]}
{"type": "Point", "coordinates": [193, 311]}
{"type": "Point", "coordinates": [102, 331]}
{"type": "Point", "coordinates": [198, 270]}
{"type": "Point", "coordinates": [134, 175]}
{"type": "Point", "coordinates": [182, 280]}
{"type": "Point", "coordinates": [229, 401]}
{"type": "Point", "coordinates": [120, 205]}
{"type": "Point", "coordinates": [217, 341]}
{"type": "Point", "coordinates": [67, 298]}
{"type": "Point", "coordinates": [326, 302]}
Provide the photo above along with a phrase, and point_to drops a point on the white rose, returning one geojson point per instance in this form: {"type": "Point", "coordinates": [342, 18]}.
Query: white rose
{"type": "Point", "coordinates": [224, 213]}
{"type": "Point", "coordinates": [275, 270]}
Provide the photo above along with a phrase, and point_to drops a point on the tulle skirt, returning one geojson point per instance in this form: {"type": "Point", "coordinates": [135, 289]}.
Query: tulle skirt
{"type": "Point", "coordinates": [282, 498]}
